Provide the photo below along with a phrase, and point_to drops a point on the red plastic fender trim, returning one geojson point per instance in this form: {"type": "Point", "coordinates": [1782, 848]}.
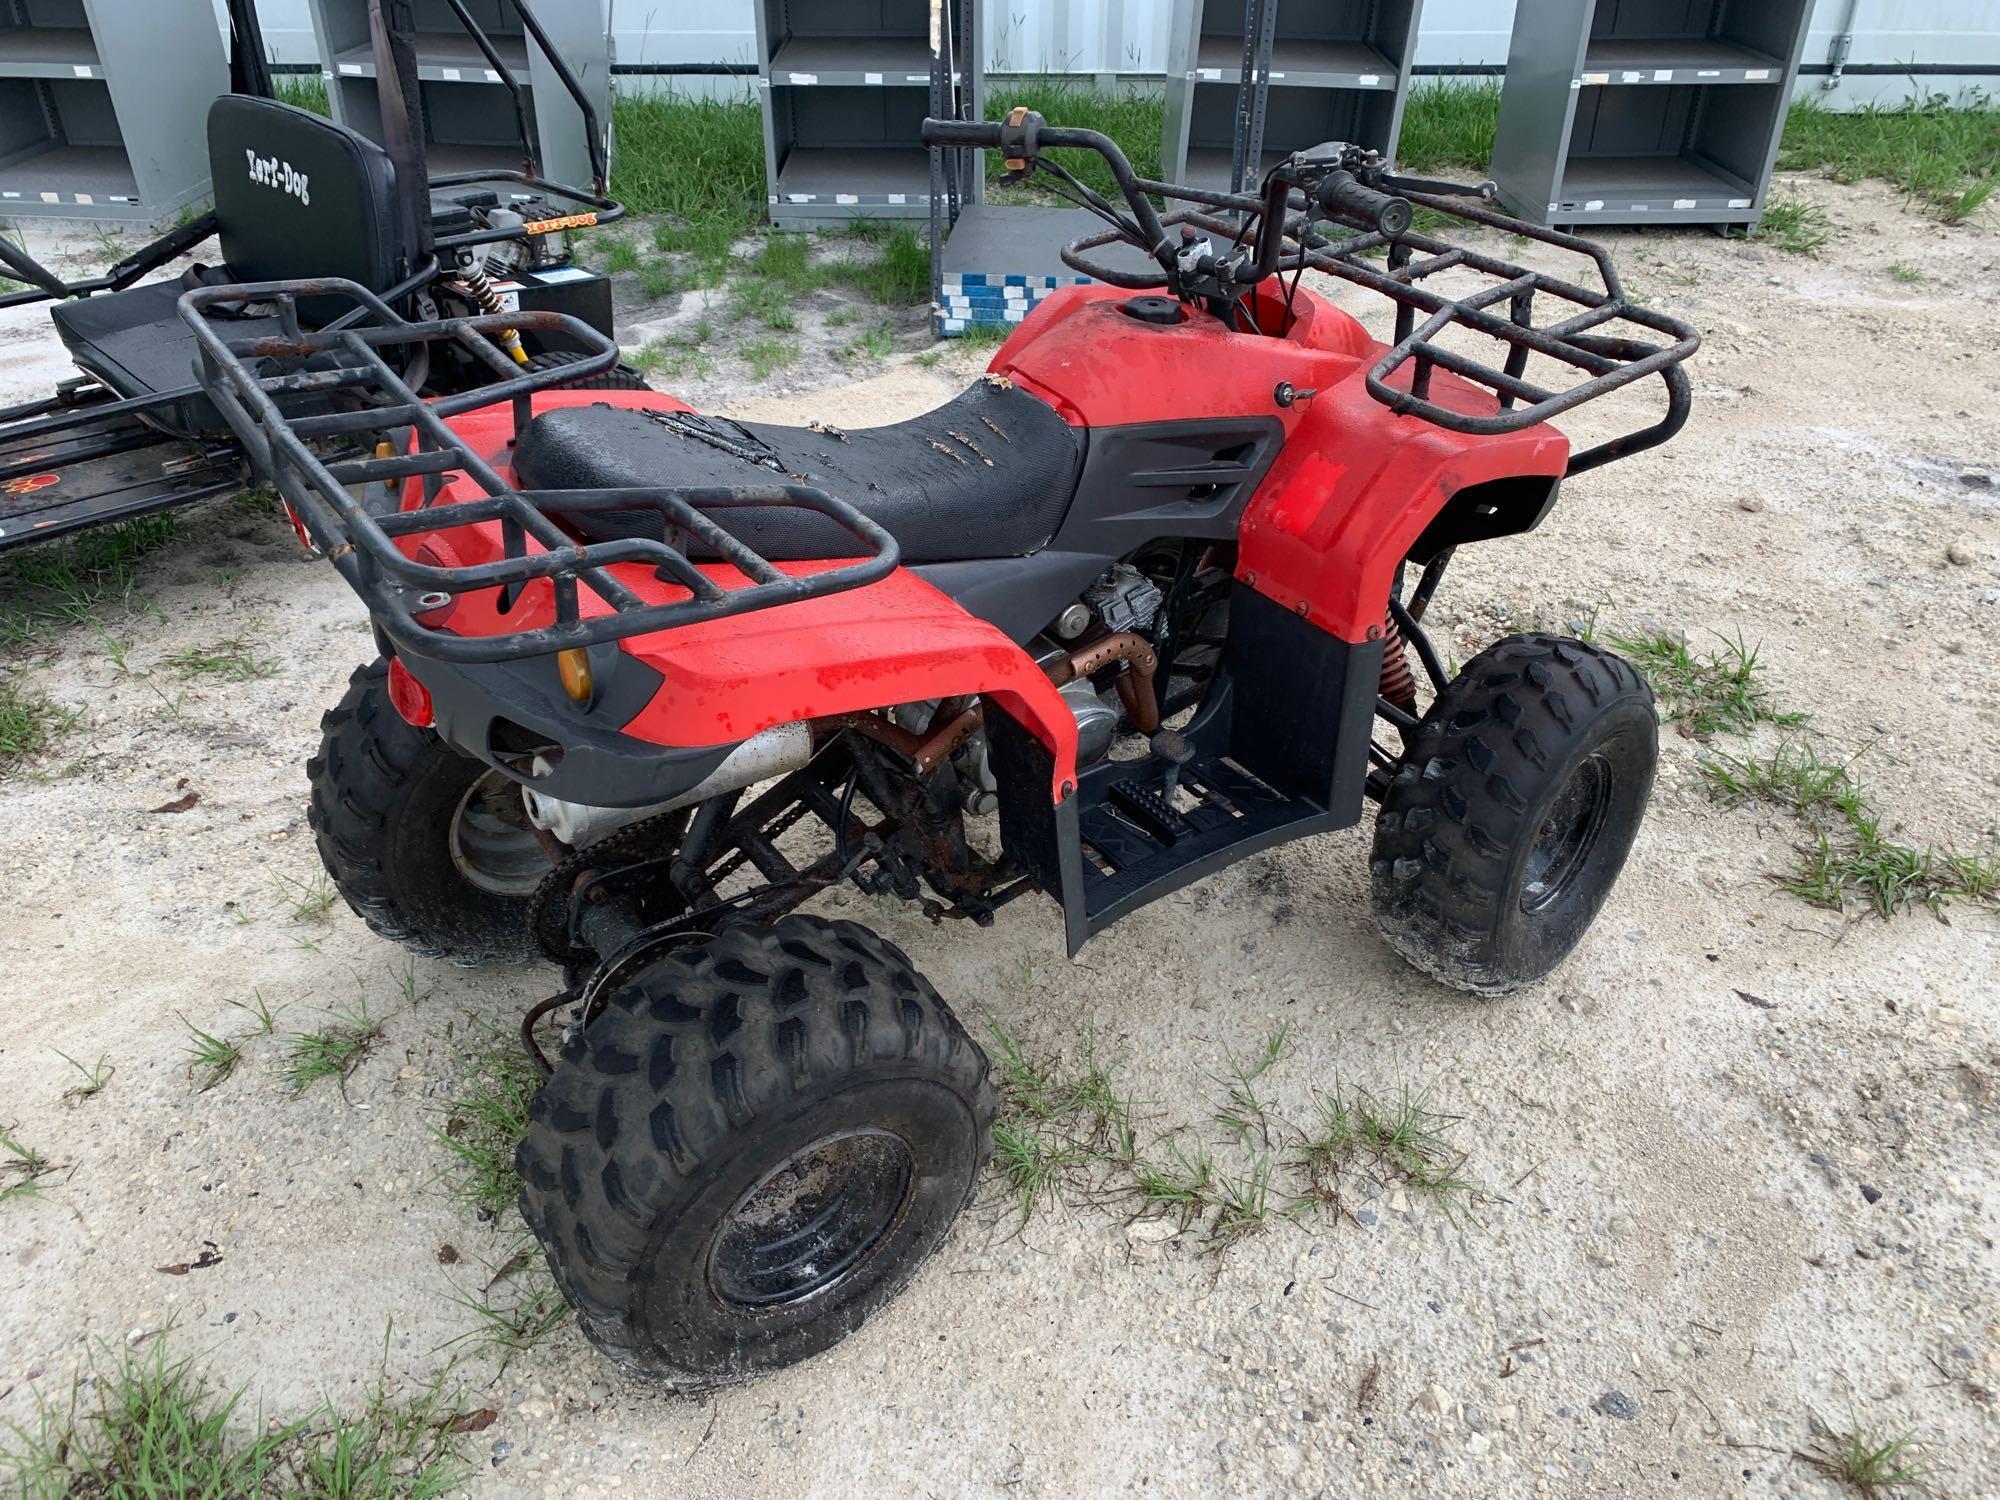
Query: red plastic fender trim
{"type": "Point", "coordinates": [1352, 491]}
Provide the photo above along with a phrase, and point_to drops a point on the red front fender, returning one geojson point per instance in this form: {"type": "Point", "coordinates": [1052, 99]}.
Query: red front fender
{"type": "Point", "coordinates": [1353, 489]}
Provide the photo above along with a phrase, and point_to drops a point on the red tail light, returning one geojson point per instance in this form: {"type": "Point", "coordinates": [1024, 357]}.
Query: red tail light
{"type": "Point", "coordinates": [411, 697]}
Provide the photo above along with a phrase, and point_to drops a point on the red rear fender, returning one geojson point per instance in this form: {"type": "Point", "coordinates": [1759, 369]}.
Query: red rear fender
{"type": "Point", "coordinates": [898, 640]}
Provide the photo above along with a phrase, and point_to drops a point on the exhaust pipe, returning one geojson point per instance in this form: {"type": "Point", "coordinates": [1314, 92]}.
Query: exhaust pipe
{"type": "Point", "coordinates": [772, 752]}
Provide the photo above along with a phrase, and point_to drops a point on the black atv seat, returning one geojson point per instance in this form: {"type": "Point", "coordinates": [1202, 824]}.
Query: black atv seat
{"type": "Point", "coordinates": [295, 195]}
{"type": "Point", "coordinates": [989, 474]}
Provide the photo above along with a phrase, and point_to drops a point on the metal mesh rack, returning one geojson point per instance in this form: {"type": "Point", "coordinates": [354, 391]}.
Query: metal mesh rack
{"type": "Point", "coordinates": [846, 85]}
{"type": "Point", "coordinates": [1646, 111]}
{"type": "Point", "coordinates": [96, 100]}
{"type": "Point", "coordinates": [1249, 81]}
{"type": "Point", "coordinates": [1502, 310]}
{"type": "Point", "coordinates": [308, 408]}
{"type": "Point", "coordinates": [469, 122]}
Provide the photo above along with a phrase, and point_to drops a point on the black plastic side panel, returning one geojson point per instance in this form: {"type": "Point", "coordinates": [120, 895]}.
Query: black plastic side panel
{"type": "Point", "coordinates": [1167, 479]}
{"type": "Point", "coordinates": [1304, 704]}
{"type": "Point", "coordinates": [1138, 484]}
{"type": "Point", "coordinates": [1020, 595]}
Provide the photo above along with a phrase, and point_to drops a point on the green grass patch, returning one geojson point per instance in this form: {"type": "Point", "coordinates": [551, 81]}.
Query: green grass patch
{"type": "Point", "coordinates": [302, 91]}
{"type": "Point", "coordinates": [311, 899]}
{"type": "Point", "coordinates": [1709, 692]}
{"type": "Point", "coordinates": [1795, 226]}
{"type": "Point", "coordinates": [982, 336]}
{"type": "Point", "coordinates": [231, 660]}
{"type": "Point", "coordinates": [1944, 154]}
{"type": "Point", "coordinates": [1849, 861]}
{"type": "Point", "coordinates": [1854, 863]}
{"type": "Point", "coordinates": [91, 1077]}
{"type": "Point", "coordinates": [485, 1120]}
{"type": "Point", "coordinates": [334, 1051]}
{"type": "Point", "coordinates": [21, 1168]}
{"type": "Point", "coordinates": [1449, 127]}
{"type": "Point", "coordinates": [677, 354]}
{"type": "Point", "coordinates": [767, 356]}
{"type": "Point", "coordinates": [1871, 1461]}
{"type": "Point", "coordinates": [1068, 1132]}
{"type": "Point", "coordinates": [144, 1424]}
{"type": "Point", "coordinates": [209, 1058]}
{"type": "Point", "coordinates": [67, 581]}
{"type": "Point", "coordinates": [697, 159]}
{"type": "Point", "coordinates": [30, 721]}
{"type": "Point", "coordinates": [526, 1310]}
{"type": "Point", "coordinates": [617, 254]}
{"type": "Point", "coordinates": [1396, 1142]}
{"type": "Point", "coordinates": [900, 275]}
{"type": "Point", "coordinates": [878, 342]}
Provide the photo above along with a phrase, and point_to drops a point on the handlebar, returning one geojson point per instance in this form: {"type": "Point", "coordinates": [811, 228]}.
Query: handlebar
{"type": "Point", "coordinates": [968, 135]}
{"type": "Point", "coordinates": [1022, 136]}
{"type": "Point", "coordinates": [1344, 196]}
{"type": "Point", "coordinates": [1261, 235]}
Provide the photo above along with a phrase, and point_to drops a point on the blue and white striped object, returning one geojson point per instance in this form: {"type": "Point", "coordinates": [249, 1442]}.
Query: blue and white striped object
{"type": "Point", "coordinates": [1003, 261]}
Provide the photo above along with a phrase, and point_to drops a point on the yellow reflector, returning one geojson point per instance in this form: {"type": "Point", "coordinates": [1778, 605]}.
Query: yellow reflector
{"type": "Point", "coordinates": [574, 664]}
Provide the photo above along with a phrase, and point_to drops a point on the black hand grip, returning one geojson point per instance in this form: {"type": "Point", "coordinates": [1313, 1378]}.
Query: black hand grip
{"type": "Point", "coordinates": [976, 134]}
{"type": "Point", "coordinates": [1344, 196]}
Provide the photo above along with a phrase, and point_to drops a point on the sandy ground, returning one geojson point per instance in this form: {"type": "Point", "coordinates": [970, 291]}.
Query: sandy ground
{"type": "Point", "coordinates": [1729, 1215]}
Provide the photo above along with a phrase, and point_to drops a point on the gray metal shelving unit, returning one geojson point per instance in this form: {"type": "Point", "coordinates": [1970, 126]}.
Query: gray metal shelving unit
{"type": "Point", "coordinates": [469, 120]}
{"type": "Point", "coordinates": [1248, 83]}
{"type": "Point", "coordinates": [100, 107]}
{"type": "Point", "coordinates": [845, 86]}
{"type": "Point", "coordinates": [1646, 111]}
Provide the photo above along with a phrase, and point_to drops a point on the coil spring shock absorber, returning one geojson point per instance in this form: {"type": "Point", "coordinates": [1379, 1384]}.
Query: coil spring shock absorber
{"type": "Point", "coordinates": [1399, 684]}
{"type": "Point", "coordinates": [479, 287]}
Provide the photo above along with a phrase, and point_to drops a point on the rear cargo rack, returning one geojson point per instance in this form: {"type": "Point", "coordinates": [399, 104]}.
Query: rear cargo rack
{"type": "Point", "coordinates": [311, 409]}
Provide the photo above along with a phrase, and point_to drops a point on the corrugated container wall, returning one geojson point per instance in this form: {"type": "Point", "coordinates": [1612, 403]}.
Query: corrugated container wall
{"type": "Point", "coordinates": [1954, 44]}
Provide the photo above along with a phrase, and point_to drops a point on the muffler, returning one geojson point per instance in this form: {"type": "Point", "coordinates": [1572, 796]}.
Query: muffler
{"type": "Point", "coordinates": [773, 752]}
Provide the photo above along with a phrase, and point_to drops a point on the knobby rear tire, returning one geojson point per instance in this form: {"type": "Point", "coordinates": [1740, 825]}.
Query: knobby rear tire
{"type": "Point", "coordinates": [384, 798]}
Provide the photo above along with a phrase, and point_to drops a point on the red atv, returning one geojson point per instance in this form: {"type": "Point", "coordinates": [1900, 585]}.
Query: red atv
{"type": "Point", "coordinates": [1135, 606]}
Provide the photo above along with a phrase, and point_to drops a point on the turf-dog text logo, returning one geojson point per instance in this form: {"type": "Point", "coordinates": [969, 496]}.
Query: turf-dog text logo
{"type": "Point", "coordinates": [268, 171]}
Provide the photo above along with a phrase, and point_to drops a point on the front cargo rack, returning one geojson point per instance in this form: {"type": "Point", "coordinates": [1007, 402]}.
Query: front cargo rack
{"type": "Point", "coordinates": [1504, 310]}
{"type": "Point", "coordinates": [312, 409]}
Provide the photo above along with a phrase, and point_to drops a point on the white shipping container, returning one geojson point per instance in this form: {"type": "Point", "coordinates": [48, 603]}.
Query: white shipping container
{"type": "Point", "coordinates": [1953, 45]}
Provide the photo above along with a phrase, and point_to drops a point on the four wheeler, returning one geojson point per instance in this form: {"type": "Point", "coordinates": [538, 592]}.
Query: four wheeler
{"type": "Point", "coordinates": [1135, 606]}
{"type": "Point", "coordinates": [296, 196]}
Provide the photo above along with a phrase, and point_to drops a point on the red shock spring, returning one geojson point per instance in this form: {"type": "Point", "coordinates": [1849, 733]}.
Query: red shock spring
{"type": "Point", "coordinates": [1399, 684]}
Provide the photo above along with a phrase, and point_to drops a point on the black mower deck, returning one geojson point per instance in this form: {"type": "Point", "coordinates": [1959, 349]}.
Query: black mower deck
{"type": "Point", "coordinates": [104, 468]}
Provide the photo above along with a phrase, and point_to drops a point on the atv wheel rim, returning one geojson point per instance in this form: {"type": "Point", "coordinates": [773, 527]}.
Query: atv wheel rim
{"type": "Point", "coordinates": [814, 1221]}
{"type": "Point", "coordinates": [492, 843]}
{"type": "Point", "coordinates": [1568, 834]}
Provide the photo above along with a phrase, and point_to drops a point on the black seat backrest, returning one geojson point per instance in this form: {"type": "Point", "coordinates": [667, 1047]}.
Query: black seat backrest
{"type": "Point", "coordinates": [297, 195]}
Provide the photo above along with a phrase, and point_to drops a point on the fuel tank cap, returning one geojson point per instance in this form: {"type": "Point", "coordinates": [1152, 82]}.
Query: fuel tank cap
{"type": "Point", "coordinates": [1163, 310]}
